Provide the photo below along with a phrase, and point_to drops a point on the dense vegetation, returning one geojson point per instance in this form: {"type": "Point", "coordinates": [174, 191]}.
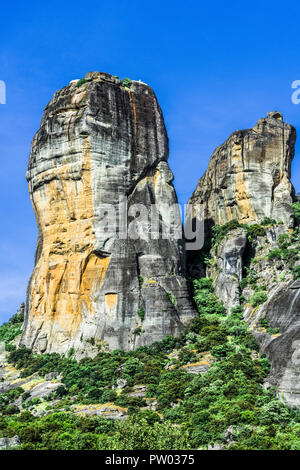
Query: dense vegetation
{"type": "Point", "coordinates": [192, 411]}
{"type": "Point", "coordinates": [11, 329]}
{"type": "Point", "coordinates": [222, 402]}
{"type": "Point", "coordinates": [296, 209]}
{"type": "Point", "coordinates": [81, 82]}
{"type": "Point", "coordinates": [254, 230]}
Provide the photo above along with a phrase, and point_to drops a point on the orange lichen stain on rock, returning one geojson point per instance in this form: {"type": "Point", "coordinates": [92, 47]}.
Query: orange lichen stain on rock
{"type": "Point", "coordinates": [279, 178]}
{"type": "Point", "coordinates": [92, 278]}
{"type": "Point", "coordinates": [67, 271]}
{"type": "Point", "coordinates": [98, 406]}
{"type": "Point", "coordinates": [111, 301]}
{"type": "Point", "coordinates": [245, 210]}
{"type": "Point", "coordinates": [236, 154]}
{"type": "Point", "coordinates": [155, 178]}
{"type": "Point", "coordinates": [229, 213]}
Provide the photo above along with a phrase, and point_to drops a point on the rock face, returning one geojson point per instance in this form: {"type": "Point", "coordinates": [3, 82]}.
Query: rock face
{"type": "Point", "coordinates": [228, 269]}
{"type": "Point", "coordinates": [248, 180]}
{"type": "Point", "coordinates": [282, 312]}
{"type": "Point", "coordinates": [275, 321]}
{"type": "Point", "coordinates": [248, 177]}
{"type": "Point", "coordinates": [102, 142]}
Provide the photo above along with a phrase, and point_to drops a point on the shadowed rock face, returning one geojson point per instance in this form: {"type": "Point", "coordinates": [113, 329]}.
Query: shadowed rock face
{"type": "Point", "coordinates": [282, 311]}
{"type": "Point", "coordinates": [227, 273]}
{"type": "Point", "coordinates": [248, 177]}
{"type": "Point", "coordinates": [97, 144]}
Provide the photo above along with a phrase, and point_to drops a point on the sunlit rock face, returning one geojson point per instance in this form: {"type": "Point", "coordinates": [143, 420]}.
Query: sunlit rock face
{"type": "Point", "coordinates": [102, 143]}
{"type": "Point", "coordinates": [248, 177]}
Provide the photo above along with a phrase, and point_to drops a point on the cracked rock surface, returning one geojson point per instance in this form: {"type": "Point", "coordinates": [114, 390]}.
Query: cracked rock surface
{"type": "Point", "coordinates": [98, 144]}
{"type": "Point", "coordinates": [248, 176]}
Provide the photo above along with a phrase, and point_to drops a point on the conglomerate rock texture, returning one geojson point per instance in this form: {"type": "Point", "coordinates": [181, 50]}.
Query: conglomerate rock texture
{"type": "Point", "coordinates": [248, 177]}
{"type": "Point", "coordinates": [99, 143]}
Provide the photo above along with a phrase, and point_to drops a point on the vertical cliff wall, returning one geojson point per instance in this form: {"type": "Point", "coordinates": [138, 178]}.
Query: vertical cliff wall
{"type": "Point", "coordinates": [102, 141]}
{"type": "Point", "coordinates": [248, 177]}
{"type": "Point", "coordinates": [248, 180]}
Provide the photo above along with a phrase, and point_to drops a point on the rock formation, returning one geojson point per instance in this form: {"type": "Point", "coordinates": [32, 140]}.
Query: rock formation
{"type": "Point", "coordinates": [98, 165]}
{"type": "Point", "coordinates": [281, 311]}
{"type": "Point", "coordinates": [248, 181]}
{"type": "Point", "coordinates": [248, 177]}
{"type": "Point", "coordinates": [102, 143]}
{"type": "Point", "coordinates": [228, 270]}
{"type": "Point", "coordinates": [9, 443]}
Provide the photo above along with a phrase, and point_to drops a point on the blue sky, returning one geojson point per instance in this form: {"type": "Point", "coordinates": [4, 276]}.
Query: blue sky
{"type": "Point", "coordinates": [215, 67]}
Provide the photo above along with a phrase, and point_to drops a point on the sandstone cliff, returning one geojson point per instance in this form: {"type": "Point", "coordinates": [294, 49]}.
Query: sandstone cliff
{"type": "Point", "coordinates": [248, 177]}
{"type": "Point", "coordinates": [255, 262]}
{"type": "Point", "coordinates": [102, 140]}
{"type": "Point", "coordinates": [247, 180]}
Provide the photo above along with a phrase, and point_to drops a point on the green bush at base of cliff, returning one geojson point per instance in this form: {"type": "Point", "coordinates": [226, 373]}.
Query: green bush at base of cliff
{"type": "Point", "coordinates": [265, 324]}
{"type": "Point", "coordinates": [287, 249]}
{"type": "Point", "coordinates": [193, 410]}
{"type": "Point", "coordinates": [253, 231]}
{"type": "Point", "coordinates": [205, 299]}
{"type": "Point", "coordinates": [296, 272]}
{"type": "Point", "coordinates": [220, 231]}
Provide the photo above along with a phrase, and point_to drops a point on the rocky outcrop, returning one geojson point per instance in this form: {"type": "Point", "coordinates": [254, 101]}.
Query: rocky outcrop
{"type": "Point", "coordinates": [102, 144]}
{"type": "Point", "coordinates": [44, 389]}
{"type": "Point", "coordinates": [271, 298]}
{"type": "Point", "coordinates": [282, 346]}
{"type": "Point", "coordinates": [9, 443]}
{"type": "Point", "coordinates": [227, 270]}
{"type": "Point", "coordinates": [248, 181]}
{"type": "Point", "coordinates": [248, 177]}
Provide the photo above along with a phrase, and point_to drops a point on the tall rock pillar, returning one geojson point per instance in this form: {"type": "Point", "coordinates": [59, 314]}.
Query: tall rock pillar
{"type": "Point", "coordinates": [102, 142]}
